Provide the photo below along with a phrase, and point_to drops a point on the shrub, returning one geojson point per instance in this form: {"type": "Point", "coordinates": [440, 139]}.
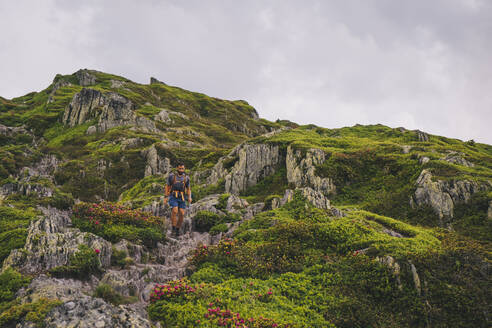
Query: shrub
{"type": "Point", "coordinates": [174, 290]}
{"type": "Point", "coordinates": [218, 228]}
{"type": "Point", "coordinates": [118, 257]}
{"type": "Point", "coordinates": [34, 312]}
{"type": "Point", "coordinates": [13, 228]}
{"type": "Point", "coordinates": [204, 220]}
{"type": "Point", "coordinates": [82, 264]}
{"type": "Point", "coordinates": [107, 293]}
{"type": "Point", "coordinates": [10, 282]}
{"type": "Point", "coordinates": [222, 201]}
{"type": "Point", "coordinates": [115, 222]}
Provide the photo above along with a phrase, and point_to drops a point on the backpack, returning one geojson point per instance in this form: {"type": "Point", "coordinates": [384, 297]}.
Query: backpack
{"type": "Point", "coordinates": [179, 185]}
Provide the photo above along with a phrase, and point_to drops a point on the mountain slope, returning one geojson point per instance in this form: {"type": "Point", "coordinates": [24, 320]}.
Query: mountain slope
{"type": "Point", "coordinates": [291, 226]}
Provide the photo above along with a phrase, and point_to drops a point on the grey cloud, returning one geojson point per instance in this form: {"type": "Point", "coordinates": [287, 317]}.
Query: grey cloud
{"type": "Point", "coordinates": [419, 64]}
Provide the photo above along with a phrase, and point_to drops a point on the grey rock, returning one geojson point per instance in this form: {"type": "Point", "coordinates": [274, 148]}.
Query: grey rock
{"type": "Point", "coordinates": [422, 136]}
{"type": "Point", "coordinates": [424, 159]}
{"type": "Point", "coordinates": [393, 265]}
{"type": "Point", "coordinates": [336, 212]}
{"type": "Point", "coordinates": [415, 276]}
{"type": "Point", "coordinates": [275, 203]}
{"type": "Point", "coordinates": [406, 149]}
{"type": "Point", "coordinates": [69, 305]}
{"type": "Point", "coordinates": [457, 158]}
{"type": "Point", "coordinates": [155, 164]}
{"type": "Point", "coordinates": [26, 189]}
{"type": "Point", "coordinates": [235, 203]}
{"type": "Point", "coordinates": [288, 196]}
{"type": "Point", "coordinates": [443, 195]}
{"type": "Point", "coordinates": [111, 108]}
{"type": "Point", "coordinates": [131, 143]}
{"type": "Point", "coordinates": [255, 162]}
{"type": "Point", "coordinates": [117, 84]}
{"type": "Point", "coordinates": [134, 251]}
{"type": "Point", "coordinates": [252, 210]}
{"type": "Point", "coordinates": [85, 77]}
{"type": "Point", "coordinates": [50, 242]}
{"type": "Point", "coordinates": [10, 131]}
{"type": "Point", "coordinates": [91, 129]}
{"type": "Point", "coordinates": [315, 197]}
{"type": "Point", "coordinates": [301, 170]}
{"type": "Point", "coordinates": [59, 84]}
{"type": "Point", "coordinates": [153, 80]}
{"type": "Point", "coordinates": [392, 233]}
{"type": "Point", "coordinates": [83, 107]}
{"type": "Point", "coordinates": [165, 116]}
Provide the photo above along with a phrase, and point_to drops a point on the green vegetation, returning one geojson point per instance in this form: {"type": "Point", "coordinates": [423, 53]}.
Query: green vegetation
{"type": "Point", "coordinates": [13, 228]}
{"type": "Point", "coordinates": [114, 222]}
{"type": "Point", "coordinates": [81, 265]}
{"type": "Point", "coordinates": [107, 293]}
{"type": "Point", "coordinates": [270, 185]}
{"type": "Point", "coordinates": [297, 266]}
{"type": "Point", "coordinates": [10, 281]}
{"type": "Point", "coordinates": [11, 311]}
{"type": "Point", "coordinates": [32, 312]}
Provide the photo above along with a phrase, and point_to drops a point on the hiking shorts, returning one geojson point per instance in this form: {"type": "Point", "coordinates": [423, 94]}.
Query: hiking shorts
{"type": "Point", "coordinates": [173, 202]}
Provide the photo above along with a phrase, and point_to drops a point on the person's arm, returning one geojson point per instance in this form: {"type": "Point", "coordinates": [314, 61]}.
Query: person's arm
{"type": "Point", "coordinates": [188, 189]}
{"type": "Point", "coordinates": [167, 190]}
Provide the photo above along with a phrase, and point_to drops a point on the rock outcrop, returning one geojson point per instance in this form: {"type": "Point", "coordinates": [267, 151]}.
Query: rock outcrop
{"type": "Point", "coordinates": [36, 179]}
{"type": "Point", "coordinates": [111, 108]}
{"type": "Point", "coordinates": [254, 163]}
{"type": "Point", "coordinates": [78, 308]}
{"type": "Point", "coordinates": [165, 116]}
{"type": "Point", "coordinates": [10, 131]}
{"type": "Point", "coordinates": [50, 242]}
{"type": "Point", "coordinates": [443, 195]}
{"type": "Point", "coordinates": [422, 136]}
{"type": "Point", "coordinates": [301, 170]}
{"type": "Point", "coordinates": [85, 105]}
{"type": "Point", "coordinates": [155, 164]}
{"type": "Point", "coordinates": [85, 77]}
{"type": "Point", "coordinates": [457, 158]}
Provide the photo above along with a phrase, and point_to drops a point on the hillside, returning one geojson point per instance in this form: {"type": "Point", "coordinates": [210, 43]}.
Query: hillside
{"type": "Point", "coordinates": [290, 226]}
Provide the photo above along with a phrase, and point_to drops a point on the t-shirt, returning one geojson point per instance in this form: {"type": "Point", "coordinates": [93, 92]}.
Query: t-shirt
{"type": "Point", "coordinates": [179, 183]}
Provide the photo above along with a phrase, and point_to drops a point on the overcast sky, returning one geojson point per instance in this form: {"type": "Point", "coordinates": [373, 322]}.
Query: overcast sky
{"type": "Point", "coordinates": [420, 64]}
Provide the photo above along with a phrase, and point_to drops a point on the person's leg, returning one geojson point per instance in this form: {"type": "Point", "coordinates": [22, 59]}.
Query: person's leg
{"type": "Point", "coordinates": [181, 217]}
{"type": "Point", "coordinates": [174, 211]}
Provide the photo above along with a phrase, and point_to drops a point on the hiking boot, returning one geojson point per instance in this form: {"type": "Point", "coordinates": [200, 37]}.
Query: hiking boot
{"type": "Point", "coordinates": [175, 232]}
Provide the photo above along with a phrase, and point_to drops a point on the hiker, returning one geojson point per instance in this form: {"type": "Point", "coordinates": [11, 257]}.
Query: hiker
{"type": "Point", "coordinates": [177, 191]}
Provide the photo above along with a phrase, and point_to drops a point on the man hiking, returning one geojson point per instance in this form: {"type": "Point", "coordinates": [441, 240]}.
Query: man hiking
{"type": "Point", "coordinates": [177, 191]}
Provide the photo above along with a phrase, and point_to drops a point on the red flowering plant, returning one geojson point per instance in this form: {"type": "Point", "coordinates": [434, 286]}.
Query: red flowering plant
{"type": "Point", "coordinates": [174, 290]}
{"type": "Point", "coordinates": [115, 222]}
{"type": "Point", "coordinates": [224, 250]}
{"type": "Point", "coordinates": [265, 297]}
{"type": "Point", "coordinates": [227, 318]}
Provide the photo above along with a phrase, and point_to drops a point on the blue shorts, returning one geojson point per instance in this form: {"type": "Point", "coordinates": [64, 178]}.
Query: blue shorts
{"type": "Point", "coordinates": [173, 202]}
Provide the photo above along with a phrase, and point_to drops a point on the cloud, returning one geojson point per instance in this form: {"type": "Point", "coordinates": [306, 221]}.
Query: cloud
{"type": "Point", "coordinates": [420, 64]}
